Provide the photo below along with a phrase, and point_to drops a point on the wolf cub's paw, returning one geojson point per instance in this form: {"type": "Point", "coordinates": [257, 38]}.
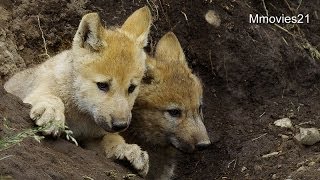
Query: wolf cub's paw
{"type": "Point", "coordinates": [139, 159]}
{"type": "Point", "coordinates": [133, 153]}
{"type": "Point", "coordinates": [49, 117]}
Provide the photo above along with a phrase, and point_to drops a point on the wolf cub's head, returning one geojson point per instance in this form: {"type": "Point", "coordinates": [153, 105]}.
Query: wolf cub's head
{"type": "Point", "coordinates": [108, 65]}
{"type": "Point", "coordinates": [169, 106]}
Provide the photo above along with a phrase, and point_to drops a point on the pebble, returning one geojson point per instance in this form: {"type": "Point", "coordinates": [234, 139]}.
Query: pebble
{"type": "Point", "coordinates": [243, 169]}
{"type": "Point", "coordinates": [308, 136]}
{"type": "Point", "coordinates": [284, 137]}
{"type": "Point", "coordinates": [284, 122]}
{"type": "Point", "coordinates": [213, 18]}
{"type": "Point", "coordinates": [274, 176]}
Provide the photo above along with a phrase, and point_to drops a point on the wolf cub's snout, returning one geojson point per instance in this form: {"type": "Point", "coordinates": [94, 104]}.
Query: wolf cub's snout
{"type": "Point", "coordinates": [120, 124]}
{"type": "Point", "coordinates": [116, 125]}
{"type": "Point", "coordinates": [203, 145]}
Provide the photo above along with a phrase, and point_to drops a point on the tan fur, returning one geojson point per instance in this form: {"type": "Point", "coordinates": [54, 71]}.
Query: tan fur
{"type": "Point", "coordinates": [64, 88]}
{"type": "Point", "coordinates": [170, 84]}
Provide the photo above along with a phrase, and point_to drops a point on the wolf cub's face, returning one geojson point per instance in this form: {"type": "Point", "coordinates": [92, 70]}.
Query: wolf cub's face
{"type": "Point", "coordinates": [108, 67]}
{"type": "Point", "coordinates": [170, 101]}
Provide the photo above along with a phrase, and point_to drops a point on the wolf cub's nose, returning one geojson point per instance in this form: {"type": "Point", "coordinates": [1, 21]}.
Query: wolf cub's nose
{"type": "Point", "coordinates": [119, 125]}
{"type": "Point", "coordinates": [203, 145]}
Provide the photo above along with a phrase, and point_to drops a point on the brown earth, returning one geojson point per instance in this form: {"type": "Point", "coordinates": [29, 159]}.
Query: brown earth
{"type": "Point", "coordinates": [253, 75]}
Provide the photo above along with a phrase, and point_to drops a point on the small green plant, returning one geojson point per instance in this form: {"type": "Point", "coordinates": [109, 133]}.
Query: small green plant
{"type": "Point", "coordinates": [9, 141]}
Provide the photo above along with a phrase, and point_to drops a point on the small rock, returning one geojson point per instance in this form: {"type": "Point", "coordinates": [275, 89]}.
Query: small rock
{"type": "Point", "coordinates": [243, 169]}
{"type": "Point", "coordinates": [213, 18]}
{"type": "Point", "coordinates": [284, 122]}
{"type": "Point", "coordinates": [274, 176]}
{"type": "Point", "coordinates": [308, 136]}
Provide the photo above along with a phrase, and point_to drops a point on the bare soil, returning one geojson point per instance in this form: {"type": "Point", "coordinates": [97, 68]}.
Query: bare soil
{"type": "Point", "coordinates": [253, 74]}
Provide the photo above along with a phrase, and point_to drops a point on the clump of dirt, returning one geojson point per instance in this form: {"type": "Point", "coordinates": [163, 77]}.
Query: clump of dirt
{"type": "Point", "coordinates": [253, 74]}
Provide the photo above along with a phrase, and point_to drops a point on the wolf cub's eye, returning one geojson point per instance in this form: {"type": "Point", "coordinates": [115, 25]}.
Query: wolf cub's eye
{"type": "Point", "coordinates": [103, 86]}
{"type": "Point", "coordinates": [174, 112]}
{"type": "Point", "coordinates": [131, 88]}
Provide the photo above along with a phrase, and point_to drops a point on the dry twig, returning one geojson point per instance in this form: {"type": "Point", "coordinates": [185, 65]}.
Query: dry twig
{"type": "Point", "coordinates": [285, 30]}
{"type": "Point", "coordinates": [299, 5]}
{"type": "Point", "coordinates": [44, 40]}
{"type": "Point", "coordinates": [265, 8]}
{"type": "Point", "coordinates": [5, 157]}
{"type": "Point", "coordinates": [234, 164]}
{"type": "Point", "coordinates": [259, 137]}
{"type": "Point", "coordinates": [262, 114]}
{"type": "Point", "coordinates": [211, 64]}
{"type": "Point", "coordinates": [185, 15]}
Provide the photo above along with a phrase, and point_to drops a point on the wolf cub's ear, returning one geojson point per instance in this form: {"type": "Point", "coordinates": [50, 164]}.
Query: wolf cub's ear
{"type": "Point", "coordinates": [138, 25]}
{"type": "Point", "coordinates": [169, 49]}
{"type": "Point", "coordinates": [89, 33]}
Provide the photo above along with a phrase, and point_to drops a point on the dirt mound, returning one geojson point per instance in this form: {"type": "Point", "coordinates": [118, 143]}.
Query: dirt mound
{"type": "Point", "coordinates": [25, 158]}
{"type": "Point", "coordinates": [253, 75]}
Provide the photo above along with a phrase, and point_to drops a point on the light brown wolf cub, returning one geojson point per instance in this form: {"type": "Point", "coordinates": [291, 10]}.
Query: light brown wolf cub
{"type": "Point", "coordinates": [92, 86]}
{"type": "Point", "coordinates": [168, 110]}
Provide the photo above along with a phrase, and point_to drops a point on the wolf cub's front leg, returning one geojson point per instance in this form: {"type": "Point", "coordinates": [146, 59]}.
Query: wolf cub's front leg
{"type": "Point", "coordinates": [116, 147]}
{"type": "Point", "coordinates": [47, 111]}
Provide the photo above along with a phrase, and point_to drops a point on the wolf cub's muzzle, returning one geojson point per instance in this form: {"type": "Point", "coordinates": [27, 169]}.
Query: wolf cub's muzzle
{"type": "Point", "coordinates": [187, 146]}
{"type": "Point", "coordinates": [119, 124]}
{"type": "Point", "coordinates": [203, 145]}
{"type": "Point", "coordinates": [114, 124]}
